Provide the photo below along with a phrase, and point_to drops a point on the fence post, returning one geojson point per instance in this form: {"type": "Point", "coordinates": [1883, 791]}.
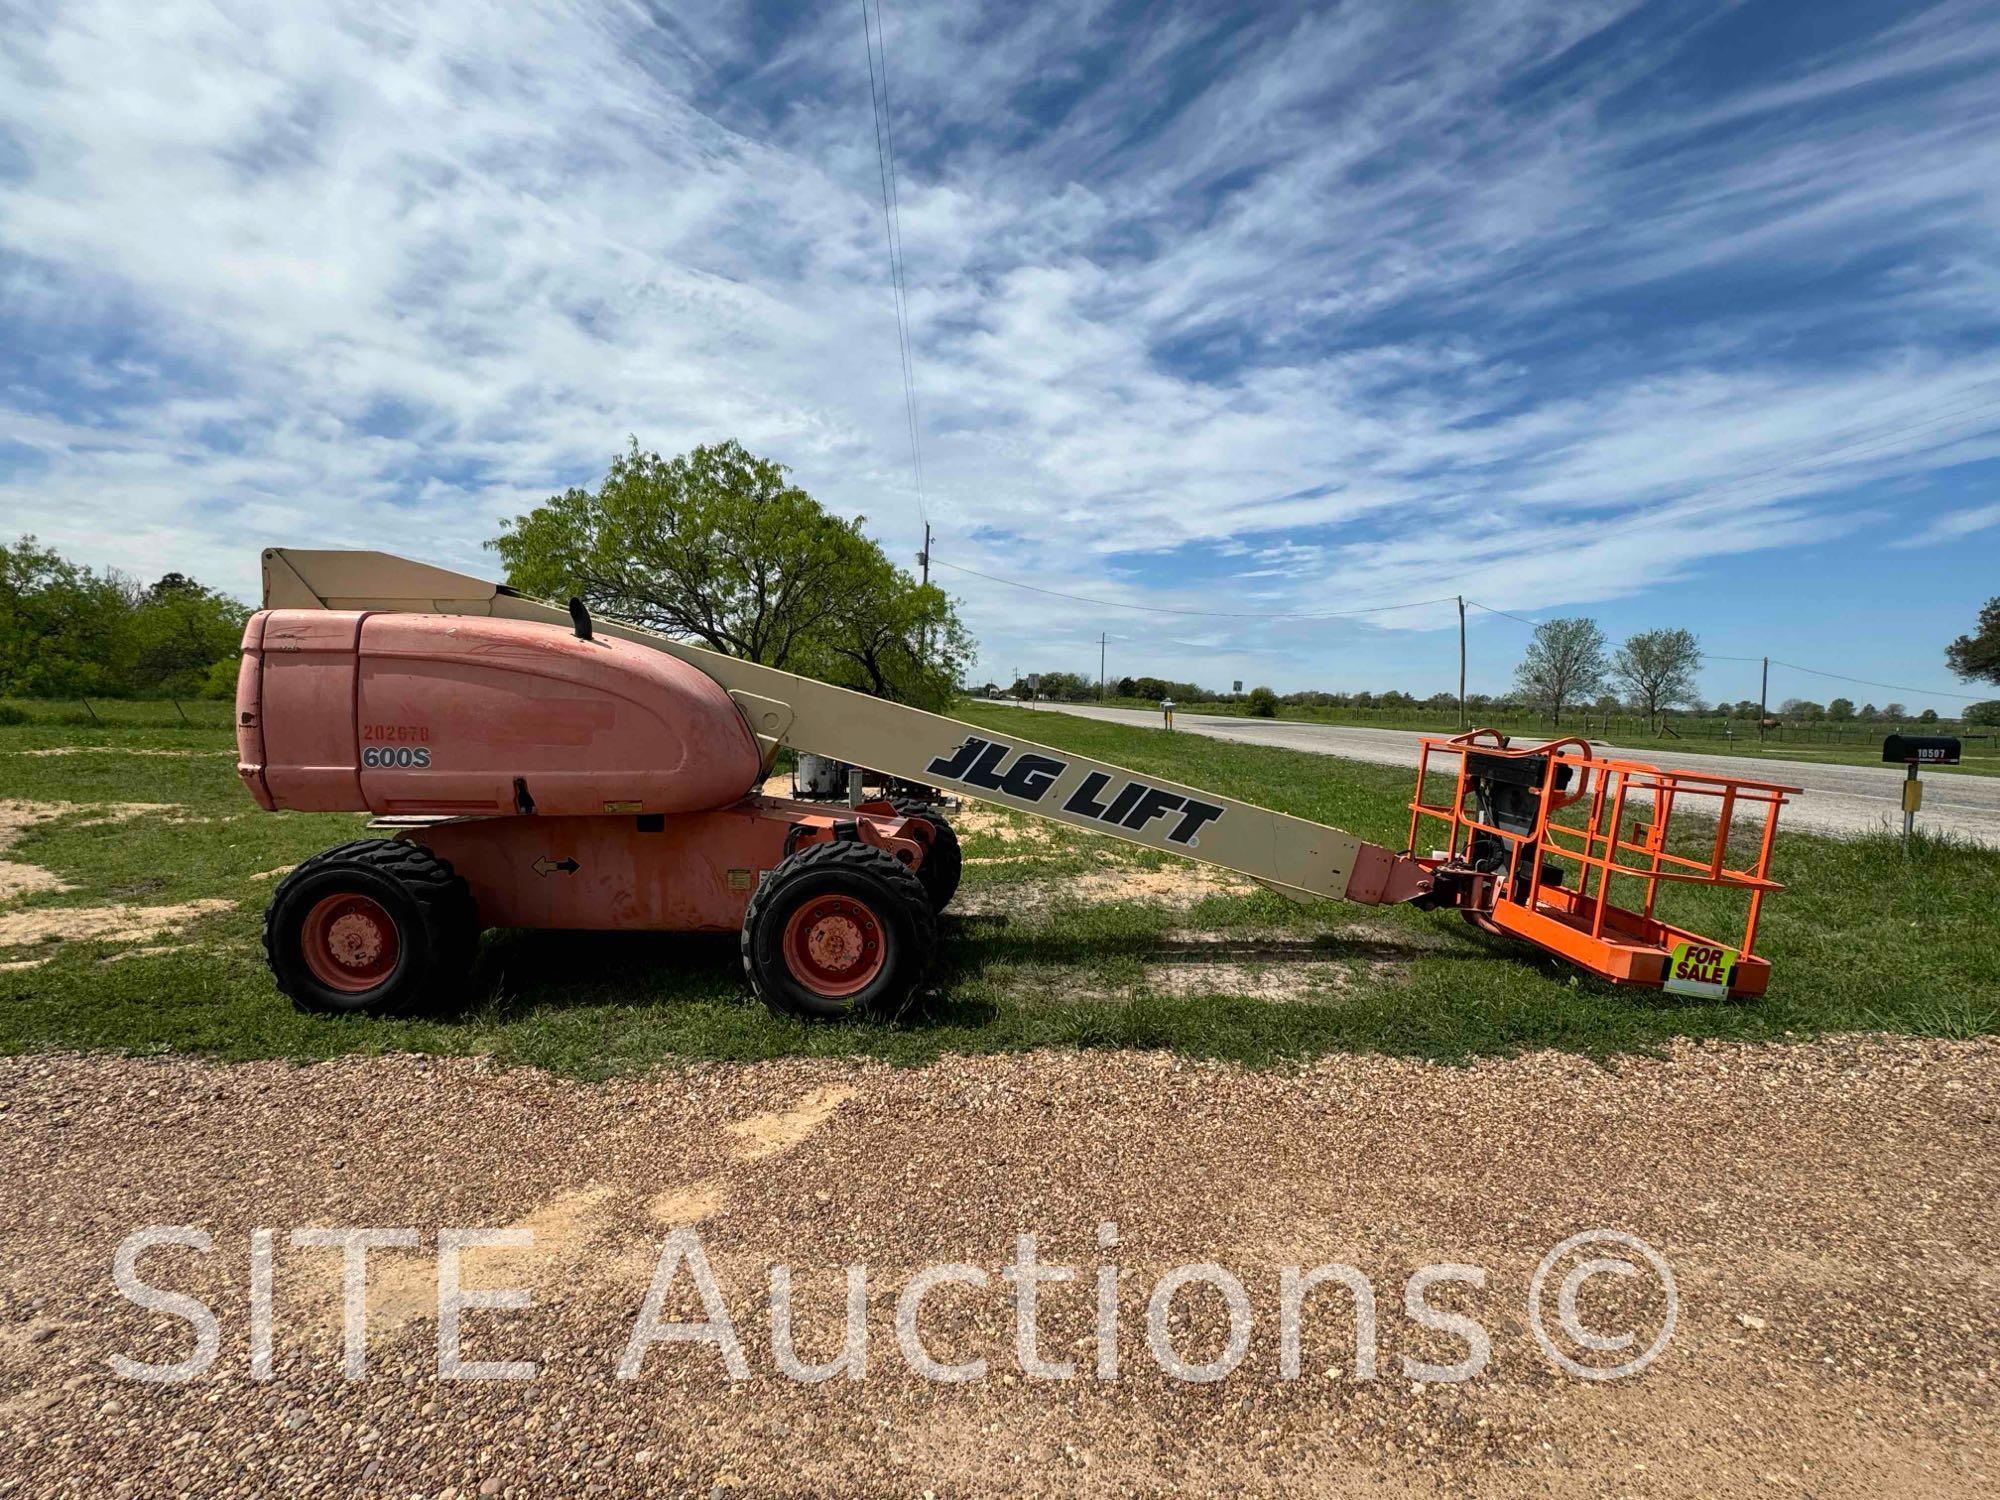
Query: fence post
{"type": "Point", "coordinates": [178, 709]}
{"type": "Point", "coordinates": [89, 710]}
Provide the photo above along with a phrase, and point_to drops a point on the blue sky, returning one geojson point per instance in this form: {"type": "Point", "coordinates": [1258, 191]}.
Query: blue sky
{"type": "Point", "coordinates": [1670, 314]}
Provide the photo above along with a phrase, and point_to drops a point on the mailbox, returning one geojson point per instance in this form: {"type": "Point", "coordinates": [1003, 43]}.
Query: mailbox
{"type": "Point", "coordinates": [1920, 750]}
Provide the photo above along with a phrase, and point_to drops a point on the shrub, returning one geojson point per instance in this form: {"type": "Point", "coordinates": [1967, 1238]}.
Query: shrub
{"type": "Point", "coordinates": [1263, 703]}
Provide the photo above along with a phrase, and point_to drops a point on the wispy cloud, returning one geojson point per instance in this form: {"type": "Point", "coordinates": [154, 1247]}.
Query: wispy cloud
{"type": "Point", "coordinates": [1547, 303]}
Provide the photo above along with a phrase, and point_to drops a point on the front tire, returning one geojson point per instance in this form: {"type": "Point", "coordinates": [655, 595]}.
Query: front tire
{"type": "Point", "coordinates": [838, 930]}
{"type": "Point", "coordinates": [374, 927]}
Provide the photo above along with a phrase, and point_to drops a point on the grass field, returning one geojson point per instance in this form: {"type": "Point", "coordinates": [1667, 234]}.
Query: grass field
{"type": "Point", "coordinates": [1852, 745]}
{"type": "Point", "coordinates": [1058, 939]}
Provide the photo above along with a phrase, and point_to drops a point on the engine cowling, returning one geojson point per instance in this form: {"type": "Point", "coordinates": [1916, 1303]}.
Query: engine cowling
{"type": "Point", "coordinates": [357, 711]}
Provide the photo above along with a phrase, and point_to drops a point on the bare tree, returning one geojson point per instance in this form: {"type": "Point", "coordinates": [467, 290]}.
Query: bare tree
{"type": "Point", "coordinates": [1657, 668]}
{"type": "Point", "coordinates": [1565, 661]}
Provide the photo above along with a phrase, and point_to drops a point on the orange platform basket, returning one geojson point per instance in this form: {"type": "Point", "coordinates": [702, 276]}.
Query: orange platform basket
{"type": "Point", "coordinates": [1534, 827]}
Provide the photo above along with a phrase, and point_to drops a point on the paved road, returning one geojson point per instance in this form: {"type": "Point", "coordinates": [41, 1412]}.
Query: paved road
{"type": "Point", "coordinates": [1839, 799]}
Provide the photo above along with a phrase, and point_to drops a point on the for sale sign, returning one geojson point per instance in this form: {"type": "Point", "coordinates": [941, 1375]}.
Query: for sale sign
{"type": "Point", "coordinates": [1700, 968]}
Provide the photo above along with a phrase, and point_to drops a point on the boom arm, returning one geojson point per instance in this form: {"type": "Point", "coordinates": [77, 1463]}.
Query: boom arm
{"type": "Point", "coordinates": [1295, 856]}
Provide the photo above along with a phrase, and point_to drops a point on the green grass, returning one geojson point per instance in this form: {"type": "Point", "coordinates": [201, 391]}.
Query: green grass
{"type": "Point", "coordinates": [1866, 938]}
{"type": "Point", "coordinates": [119, 713]}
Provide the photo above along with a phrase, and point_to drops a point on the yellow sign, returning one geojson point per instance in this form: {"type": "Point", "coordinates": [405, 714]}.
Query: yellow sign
{"type": "Point", "coordinates": [1700, 968]}
{"type": "Point", "coordinates": [1913, 795]}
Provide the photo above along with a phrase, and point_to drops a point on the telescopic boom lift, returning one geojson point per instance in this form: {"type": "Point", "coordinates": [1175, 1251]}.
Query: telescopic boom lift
{"type": "Point", "coordinates": [532, 766]}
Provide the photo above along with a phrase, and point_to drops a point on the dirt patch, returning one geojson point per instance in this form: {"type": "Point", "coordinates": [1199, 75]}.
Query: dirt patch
{"type": "Point", "coordinates": [402, 1284]}
{"type": "Point", "coordinates": [766, 1135]}
{"type": "Point", "coordinates": [275, 873]}
{"type": "Point", "coordinates": [19, 929]}
{"type": "Point", "coordinates": [1280, 978]}
{"type": "Point", "coordinates": [150, 950]}
{"type": "Point", "coordinates": [1171, 885]}
{"type": "Point", "coordinates": [1002, 826]}
{"type": "Point", "coordinates": [18, 878]}
{"type": "Point", "coordinates": [1178, 885]}
{"type": "Point", "coordinates": [106, 924]}
{"type": "Point", "coordinates": [688, 1205]}
{"type": "Point", "coordinates": [1279, 982]}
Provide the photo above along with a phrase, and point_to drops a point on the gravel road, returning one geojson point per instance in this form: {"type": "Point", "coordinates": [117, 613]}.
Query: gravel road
{"type": "Point", "coordinates": [1839, 799]}
{"type": "Point", "coordinates": [1826, 1210]}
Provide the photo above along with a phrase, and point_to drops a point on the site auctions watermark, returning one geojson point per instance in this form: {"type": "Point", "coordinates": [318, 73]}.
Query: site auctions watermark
{"type": "Point", "coordinates": [1552, 1310]}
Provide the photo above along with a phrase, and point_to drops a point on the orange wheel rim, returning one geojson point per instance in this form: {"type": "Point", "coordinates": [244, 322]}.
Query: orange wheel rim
{"type": "Point", "coordinates": [350, 942]}
{"type": "Point", "coordinates": [834, 945]}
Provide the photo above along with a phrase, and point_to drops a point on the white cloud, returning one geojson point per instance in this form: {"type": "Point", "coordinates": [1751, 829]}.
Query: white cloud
{"type": "Point", "coordinates": [362, 275]}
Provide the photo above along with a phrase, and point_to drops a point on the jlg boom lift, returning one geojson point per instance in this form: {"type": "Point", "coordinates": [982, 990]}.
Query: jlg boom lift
{"type": "Point", "coordinates": [531, 767]}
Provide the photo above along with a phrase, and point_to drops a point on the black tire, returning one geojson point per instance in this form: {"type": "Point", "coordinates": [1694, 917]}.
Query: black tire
{"type": "Point", "coordinates": [944, 864]}
{"type": "Point", "coordinates": [871, 900]}
{"type": "Point", "coordinates": [425, 960]}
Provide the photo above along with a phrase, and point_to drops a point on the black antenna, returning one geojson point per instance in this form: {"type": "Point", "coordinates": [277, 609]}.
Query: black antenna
{"type": "Point", "coordinates": [579, 617]}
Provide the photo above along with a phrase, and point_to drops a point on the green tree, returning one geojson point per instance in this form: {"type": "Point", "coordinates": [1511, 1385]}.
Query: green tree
{"type": "Point", "coordinates": [1986, 713]}
{"type": "Point", "coordinates": [1840, 708]}
{"type": "Point", "coordinates": [1564, 662]}
{"type": "Point", "coordinates": [717, 546]}
{"type": "Point", "coordinates": [1657, 668]}
{"type": "Point", "coordinates": [184, 636]}
{"type": "Point", "coordinates": [64, 629]}
{"type": "Point", "coordinates": [1263, 703]}
{"type": "Point", "coordinates": [894, 638]}
{"type": "Point", "coordinates": [1976, 657]}
{"type": "Point", "coordinates": [713, 545]}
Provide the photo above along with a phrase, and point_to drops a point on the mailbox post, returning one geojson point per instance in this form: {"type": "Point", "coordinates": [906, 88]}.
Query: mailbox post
{"type": "Point", "coordinates": [1914, 751]}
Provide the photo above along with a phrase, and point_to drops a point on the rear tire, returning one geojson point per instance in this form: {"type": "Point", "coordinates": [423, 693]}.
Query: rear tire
{"type": "Point", "coordinates": [943, 863]}
{"type": "Point", "coordinates": [372, 927]}
{"type": "Point", "coordinates": [839, 930]}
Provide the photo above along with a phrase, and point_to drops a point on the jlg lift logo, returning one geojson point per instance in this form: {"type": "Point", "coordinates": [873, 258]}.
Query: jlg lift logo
{"type": "Point", "coordinates": [982, 763]}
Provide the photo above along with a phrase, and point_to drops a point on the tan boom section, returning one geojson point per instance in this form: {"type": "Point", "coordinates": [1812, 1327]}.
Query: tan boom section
{"type": "Point", "coordinates": [1300, 858]}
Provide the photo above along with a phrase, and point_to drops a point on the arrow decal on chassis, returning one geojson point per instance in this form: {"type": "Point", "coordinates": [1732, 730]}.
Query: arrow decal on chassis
{"type": "Point", "coordinates": [545, 866]}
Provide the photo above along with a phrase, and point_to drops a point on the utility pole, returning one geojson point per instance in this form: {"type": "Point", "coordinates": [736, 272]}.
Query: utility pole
{"type": "Point", "coordinates": [1461, 661]}
{"type": "Point", "coordinates": [1100, 666]}
{"type": "Point", "coordinates": [924, 562]}
{"type": "Point", "coordinates": [1763, 699]}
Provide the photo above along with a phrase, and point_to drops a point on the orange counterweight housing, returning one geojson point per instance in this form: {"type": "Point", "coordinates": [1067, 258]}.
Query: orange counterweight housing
{"type": "Point", "coordinates": [351, 711]}
{"type": "Point", "coordinates": [1529, 872]}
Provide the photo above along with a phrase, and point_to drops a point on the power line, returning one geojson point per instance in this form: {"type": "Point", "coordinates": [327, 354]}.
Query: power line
{"type": "Point", "coordinates": [1212, 614]}
{"type": "Point", "coordinates": [1894, 687]}
{"type": "Point", "coordinates": [892, 229]}
{"type": "Point", "coordinates": [1506, 613]}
